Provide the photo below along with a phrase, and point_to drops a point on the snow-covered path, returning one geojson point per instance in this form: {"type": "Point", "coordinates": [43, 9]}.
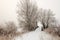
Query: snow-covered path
{"type": "Point", "coordinates": [36, 35]}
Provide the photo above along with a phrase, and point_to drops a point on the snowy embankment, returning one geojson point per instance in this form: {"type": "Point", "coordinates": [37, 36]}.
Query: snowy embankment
{"type": "Point", "coordinates": [36, 35]}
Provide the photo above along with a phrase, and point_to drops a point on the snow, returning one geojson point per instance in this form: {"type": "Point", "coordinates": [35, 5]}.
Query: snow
{"type": "Point", "coordinates": [36, 35]}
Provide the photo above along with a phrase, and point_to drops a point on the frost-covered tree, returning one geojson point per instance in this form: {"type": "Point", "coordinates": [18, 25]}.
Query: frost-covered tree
{"type": "Point", "coordinates": [46, 17]}
{"type": "Point", "coordinates": [27, 15]}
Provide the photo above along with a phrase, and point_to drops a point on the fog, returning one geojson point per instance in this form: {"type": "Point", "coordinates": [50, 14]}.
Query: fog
{"type": "Point", "coordinates": [54, 5]}
{"type": "Point", "coordinates": [8, 8]}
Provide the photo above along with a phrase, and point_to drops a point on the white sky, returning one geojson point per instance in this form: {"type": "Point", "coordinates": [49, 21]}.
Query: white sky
{"type": "Point", "coordinates": [8, 8]}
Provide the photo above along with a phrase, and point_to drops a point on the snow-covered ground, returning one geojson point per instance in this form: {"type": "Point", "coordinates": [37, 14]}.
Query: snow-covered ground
{"type": "Point", "coordinates": [36, 35]}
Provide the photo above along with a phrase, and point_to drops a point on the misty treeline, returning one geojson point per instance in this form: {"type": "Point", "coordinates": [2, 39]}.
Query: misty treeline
{"type": "Point", "coordinates": [29, 15]}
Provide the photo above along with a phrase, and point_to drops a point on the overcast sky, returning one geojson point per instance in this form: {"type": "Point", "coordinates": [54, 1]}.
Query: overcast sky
{"type": "Point", "coordinates": [8, 8]}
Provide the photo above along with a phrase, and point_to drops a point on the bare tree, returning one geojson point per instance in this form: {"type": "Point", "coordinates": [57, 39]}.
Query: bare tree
{"type": "Point", "coordinates": [47, 18]}
{"type": "Point", "coordinates": [27, 15]}
{"type": "Point", "coordinates": [11, 27]}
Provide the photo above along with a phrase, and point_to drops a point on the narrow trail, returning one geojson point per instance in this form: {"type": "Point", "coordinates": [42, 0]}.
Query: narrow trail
{"type": "Point", "coordinates": [36, 35]}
